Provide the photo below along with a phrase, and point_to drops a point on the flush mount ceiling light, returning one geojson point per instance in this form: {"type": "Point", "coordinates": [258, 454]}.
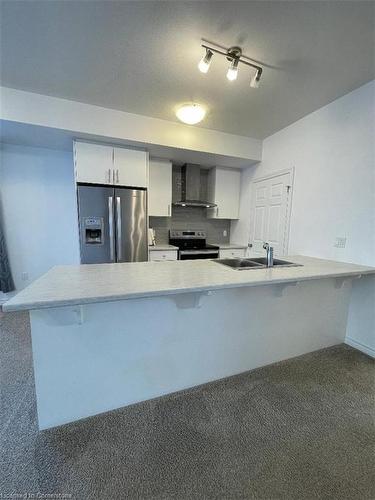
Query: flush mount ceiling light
{"type": "Point", "coordinates": [191, 113]}
{"type": "Point", "coordinates": [235, 56]}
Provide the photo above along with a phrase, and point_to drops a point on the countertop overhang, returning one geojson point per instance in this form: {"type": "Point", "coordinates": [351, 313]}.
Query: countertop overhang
{"type": "Point", "coordinates": [95, 283]}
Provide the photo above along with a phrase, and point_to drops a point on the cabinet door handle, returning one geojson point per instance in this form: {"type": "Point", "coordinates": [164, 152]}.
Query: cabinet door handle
{"type": "Point", "coordinates": [109, 175]}
{"type": "Point", "coordinates": [169, 209]}
{"type": "Point", "coordinates": [117, 180]}
{"type": "Point", "coordinates": [113, 177]}
{"type": "Point", "coordinates": [217, 211]}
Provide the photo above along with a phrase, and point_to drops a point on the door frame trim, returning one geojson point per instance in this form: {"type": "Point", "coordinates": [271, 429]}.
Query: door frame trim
{"type": "Point", "coordinates": [277, 173]}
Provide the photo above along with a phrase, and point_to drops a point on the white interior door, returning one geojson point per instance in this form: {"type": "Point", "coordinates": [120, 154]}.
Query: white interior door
{"type": "Point", "coordinates": [270, 214]}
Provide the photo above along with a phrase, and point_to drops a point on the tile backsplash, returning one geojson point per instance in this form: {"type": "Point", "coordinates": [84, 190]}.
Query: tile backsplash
{"type": "Point", "coordinates": [189, 217]}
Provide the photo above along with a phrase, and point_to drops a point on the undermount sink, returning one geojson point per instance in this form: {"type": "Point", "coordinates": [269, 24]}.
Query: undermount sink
{"type": "Point", "coordinates": [256, 263]}
{"type": "Point", "coordinates": [239, 263]}
{"type": "Point", "coordinates": [276, 262]}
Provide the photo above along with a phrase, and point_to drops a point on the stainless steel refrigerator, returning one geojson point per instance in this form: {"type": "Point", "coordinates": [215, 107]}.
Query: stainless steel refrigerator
{"type": "Point", "coordinates": [112, 224]}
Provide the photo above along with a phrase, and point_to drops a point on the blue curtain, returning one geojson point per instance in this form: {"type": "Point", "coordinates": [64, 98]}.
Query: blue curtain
{"type": "Point", "coordinates": [6, 281]}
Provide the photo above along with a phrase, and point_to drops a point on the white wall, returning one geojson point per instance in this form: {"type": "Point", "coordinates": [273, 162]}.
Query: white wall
{"type": "Point", "coordinates": [332, 151]}
{"type": "Point", "coordinates": [140, 360]}
{"type": "Point", "coordinates": [37, 194]}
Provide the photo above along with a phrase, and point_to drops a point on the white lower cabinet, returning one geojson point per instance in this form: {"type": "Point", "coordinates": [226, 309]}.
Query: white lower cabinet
{"type": "Point", "coordinates": [159, 255]}
{"type": "Point", "coordinates": [232, 253]}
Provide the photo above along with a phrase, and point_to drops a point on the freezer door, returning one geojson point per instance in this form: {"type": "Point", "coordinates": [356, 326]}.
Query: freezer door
{"type": "Point", "coordinates": [96, 224]}
{"type": "Point", "coordinates": [131, 225]}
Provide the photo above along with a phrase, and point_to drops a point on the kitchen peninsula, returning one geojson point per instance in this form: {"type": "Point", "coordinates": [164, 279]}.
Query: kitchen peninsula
{"type": "Point", "coordinates": [106, 336]}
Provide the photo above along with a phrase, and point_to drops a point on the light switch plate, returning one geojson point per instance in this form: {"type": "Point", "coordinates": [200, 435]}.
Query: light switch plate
{"type": "Point", "coordinates": [340, 242]}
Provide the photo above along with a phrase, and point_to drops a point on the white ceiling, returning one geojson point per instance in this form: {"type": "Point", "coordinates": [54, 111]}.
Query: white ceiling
{"type": "Point", "coordinates": [142, 56]}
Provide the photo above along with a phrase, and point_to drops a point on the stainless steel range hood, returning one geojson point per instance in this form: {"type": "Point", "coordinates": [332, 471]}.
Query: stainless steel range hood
{"type": "Point", "coordinates": [191, 188]}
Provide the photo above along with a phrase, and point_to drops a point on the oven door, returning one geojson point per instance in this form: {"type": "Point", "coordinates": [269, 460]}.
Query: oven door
{"type": "Point", "coordinates": [198, 254]}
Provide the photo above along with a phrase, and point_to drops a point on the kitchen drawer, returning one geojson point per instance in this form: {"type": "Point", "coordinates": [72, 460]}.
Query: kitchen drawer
{"type": "Point", "coordinates": [231, 253]}
{"type": "Point", "coordinates": [158, 255]}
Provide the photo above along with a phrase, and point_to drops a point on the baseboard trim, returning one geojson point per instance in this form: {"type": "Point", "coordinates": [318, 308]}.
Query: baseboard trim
{"type": "Point", "coordinates": [361, 347]}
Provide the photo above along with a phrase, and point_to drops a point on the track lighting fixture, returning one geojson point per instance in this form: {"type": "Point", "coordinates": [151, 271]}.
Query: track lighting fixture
{"type": "Point", "coordinates": [235, 56]}
{"type": "Point", "coordinates": [205, 62]}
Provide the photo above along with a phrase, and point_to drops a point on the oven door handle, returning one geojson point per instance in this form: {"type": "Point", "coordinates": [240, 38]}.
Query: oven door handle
{"type": "Point", "coordinates": [198, 252]}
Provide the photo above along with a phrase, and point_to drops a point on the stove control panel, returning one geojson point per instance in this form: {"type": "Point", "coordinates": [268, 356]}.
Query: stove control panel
{"type": "Point", "coordinates": [187, 234]}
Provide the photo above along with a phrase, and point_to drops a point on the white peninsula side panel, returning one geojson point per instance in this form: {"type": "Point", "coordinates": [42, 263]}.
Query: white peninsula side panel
{"type": "Point", "coordinates": [96, 357]}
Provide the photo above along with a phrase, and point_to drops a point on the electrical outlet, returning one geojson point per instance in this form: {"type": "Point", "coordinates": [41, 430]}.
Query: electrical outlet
{"type": "Point", "coordinates": [340, 242]}
{"type": "Point", "coordinates": [25, 276]}
{"type": "Point", "coordinates": [225, 232]}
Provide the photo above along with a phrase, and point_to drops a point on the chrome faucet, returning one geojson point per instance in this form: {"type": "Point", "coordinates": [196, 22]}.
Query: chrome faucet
{"type": "Point", "coordinates": [269, 251]}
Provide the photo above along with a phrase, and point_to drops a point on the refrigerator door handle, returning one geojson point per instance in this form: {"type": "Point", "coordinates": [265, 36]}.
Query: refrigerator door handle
{"type": "Point", "coordinates": [110, 225]}
{"type": "Point", "coordinates": [118, 228]}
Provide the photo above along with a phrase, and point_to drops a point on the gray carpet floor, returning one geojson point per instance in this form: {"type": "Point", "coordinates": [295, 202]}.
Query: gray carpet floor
{"type": "Point", "coordinates": [300, 429]}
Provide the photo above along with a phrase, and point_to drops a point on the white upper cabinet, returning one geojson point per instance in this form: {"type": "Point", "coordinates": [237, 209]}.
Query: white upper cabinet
{"type": "Point", "coordinates": [224, 190]}
{"type": "Point", "coordinates": [130, 167]}
{"type": "Point", "coordinates": [93, 163]}
{"type": "Point", "coordinates": [101, 164]}
{"type": "Point", "coordinates": [160, 188]}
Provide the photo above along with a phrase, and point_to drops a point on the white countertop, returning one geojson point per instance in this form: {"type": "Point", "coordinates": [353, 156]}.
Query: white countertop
{"type": "Point", "coordinates": [74, 285]}
{"type": "Point", "coordinates": [162, 247]}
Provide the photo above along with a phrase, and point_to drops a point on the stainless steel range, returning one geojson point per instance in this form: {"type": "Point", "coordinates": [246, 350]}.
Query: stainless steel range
{"type": "Point", "coordinates": [192, 244]}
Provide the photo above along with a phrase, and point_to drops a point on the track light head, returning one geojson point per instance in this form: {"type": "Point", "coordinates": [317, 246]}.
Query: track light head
{"type": "Point", "coordinates": [233, 55]}
{"type": "Point", "coordinates": [254, 82]}
{"type": "Point", "coordinates": [205, 62]}
{"type": "Point", "coordinates": [233, 70]}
